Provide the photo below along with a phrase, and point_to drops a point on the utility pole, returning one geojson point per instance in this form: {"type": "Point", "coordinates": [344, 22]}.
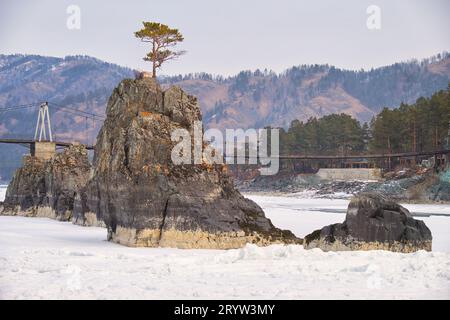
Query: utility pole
{"type": "Point", "coordinates": [43, 117]}
{"type": "Point", "coordinates": [448, 138]}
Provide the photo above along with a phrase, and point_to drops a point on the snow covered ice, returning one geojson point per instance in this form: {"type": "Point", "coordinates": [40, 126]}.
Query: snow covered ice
{"type": "Point", "coordinates": [302, 215]}
{"type": "Point", "coordinates": [2, 191]}
{"type": "Point", "coordinates": [43, 258]}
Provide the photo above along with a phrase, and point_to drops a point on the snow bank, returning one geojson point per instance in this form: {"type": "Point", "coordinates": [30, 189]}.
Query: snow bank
{"type": "Point", "coordinates": [304, 215]}
{"type": "Point", "coordinates": [253, 252]}
{"type": "Point", "coordinates": [47, 259]}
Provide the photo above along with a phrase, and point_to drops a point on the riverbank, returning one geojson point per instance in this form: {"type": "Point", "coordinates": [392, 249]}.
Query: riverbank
{"type": "Point", "coordinates": [405, 187]}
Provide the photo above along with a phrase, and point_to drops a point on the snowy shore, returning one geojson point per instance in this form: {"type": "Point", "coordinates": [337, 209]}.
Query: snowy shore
{"type": "Point", "coordinates": [302, 215]}
{"type": "Point", "coordinates": [42, 258]}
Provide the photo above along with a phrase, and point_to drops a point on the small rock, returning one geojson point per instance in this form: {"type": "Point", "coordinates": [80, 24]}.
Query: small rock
{"type": "Point", "coordinates": [373, 223]}
{"type": "Point", "coordinates": [47, 188]}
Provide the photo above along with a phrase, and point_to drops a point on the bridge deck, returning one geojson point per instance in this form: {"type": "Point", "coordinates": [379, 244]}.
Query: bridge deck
{"type": "Point", "coordinates": [367, 156]}
{"type": "Point", "coordinates": [287, 157]}
{"type": "Point", "coordinates": [58, 143]}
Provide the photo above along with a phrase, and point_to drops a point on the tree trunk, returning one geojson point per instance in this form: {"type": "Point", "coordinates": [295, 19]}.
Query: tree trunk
{"type": "Point", "coordinates": [389, 144]}
{"type": "Point", "coordinates": [436, 137]}
{"type": "Point", "coordinates": [154, 61]}
{"type": "Point", "coordinates": [389, 151]}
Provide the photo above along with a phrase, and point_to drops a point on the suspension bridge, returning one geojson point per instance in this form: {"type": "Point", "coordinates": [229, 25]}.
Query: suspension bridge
{"type": "Point", "coordinates": [29, 142]}
{"type": "Point", "coordinates": [44, 143]}
{"type": "Point", "coordinates": [43, 130]}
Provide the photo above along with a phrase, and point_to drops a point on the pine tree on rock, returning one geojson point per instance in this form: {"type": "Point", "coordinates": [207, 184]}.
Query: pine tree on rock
{"type": "Point", "coordinates": [162, 38]}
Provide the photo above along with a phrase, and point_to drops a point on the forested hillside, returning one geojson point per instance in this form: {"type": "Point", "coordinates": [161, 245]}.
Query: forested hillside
{"type": "Point", "coordinates": [260, 98]}
{"type": "Point", "coordinates": [420, 126]}
{"type": "Point", "coordinates": [249, 99]}
{"type": "Point", "coordinates": [80, 82]}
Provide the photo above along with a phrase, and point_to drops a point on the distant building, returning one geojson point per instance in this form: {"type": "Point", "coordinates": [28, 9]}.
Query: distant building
{"type": "Point", "coordinates": [142, 74]}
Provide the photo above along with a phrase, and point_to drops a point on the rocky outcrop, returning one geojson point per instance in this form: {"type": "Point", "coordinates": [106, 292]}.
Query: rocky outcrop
{"type": "Point", "coordinates": [146, 200]}
{"type": "Point", "coordinates": [48, 188]}
{"type": "Point", "coordinates": [82, 214]}
{"type": "Point", "coordinates": [373, 223]}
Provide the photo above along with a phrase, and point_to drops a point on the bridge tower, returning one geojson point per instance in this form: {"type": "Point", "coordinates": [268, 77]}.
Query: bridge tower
{"type": "Point", "coordinates": [43, 117]}
{"type": "Point", "coordinates": [43, 147]}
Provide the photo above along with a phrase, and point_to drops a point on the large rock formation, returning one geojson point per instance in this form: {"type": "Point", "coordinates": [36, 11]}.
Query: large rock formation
{"type": "Point", "coordinates": [373, 223]}
{"type": "Point", "coordinates": [47, 188]}
{"type": "Point", "coordinates": [146, 200]}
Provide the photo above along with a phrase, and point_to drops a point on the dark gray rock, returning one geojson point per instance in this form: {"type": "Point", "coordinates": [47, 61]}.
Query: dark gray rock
{"type": "Point", "coordinates": [48, 188]}
{"type": "Point", "coordinates": [373, 222]}
{"type": "Point", "coordinates": [146, 200]}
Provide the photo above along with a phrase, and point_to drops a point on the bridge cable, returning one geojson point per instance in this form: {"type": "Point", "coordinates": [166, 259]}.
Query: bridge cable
{"type": "Point", "coordinates": [75, 110]}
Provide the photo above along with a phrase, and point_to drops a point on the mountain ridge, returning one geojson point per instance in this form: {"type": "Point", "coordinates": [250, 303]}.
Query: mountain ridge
{"type": "Point", "coordinates": [306, 91]}
{"type": "Point", "coordinates": [248, 99]}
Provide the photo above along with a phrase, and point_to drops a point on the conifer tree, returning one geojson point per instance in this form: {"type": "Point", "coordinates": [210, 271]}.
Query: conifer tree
{"type": "Point", "coordinates": [162, 39]}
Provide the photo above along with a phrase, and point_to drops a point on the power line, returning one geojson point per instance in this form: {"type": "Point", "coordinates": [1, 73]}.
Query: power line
{"type": "Point", "coordinates": [71, 110]}
{"type": "Point", "coordinates": [80, 115]}
{"type": "Point", "coordinates": [22, 106]}
{"type": "Point", "coordinates": [18, 107]}
{"type": "Point", "coordinates": [74, 109]}
{"type": "Point", "coordinates": [77, 111]}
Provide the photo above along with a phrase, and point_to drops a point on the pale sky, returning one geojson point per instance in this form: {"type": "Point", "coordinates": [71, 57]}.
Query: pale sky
{"type": "Point", "coordinates": [225, 37]}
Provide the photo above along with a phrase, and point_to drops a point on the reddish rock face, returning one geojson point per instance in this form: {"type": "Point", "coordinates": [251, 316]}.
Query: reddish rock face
{"type": "Point", "coordinates": [146, 200]}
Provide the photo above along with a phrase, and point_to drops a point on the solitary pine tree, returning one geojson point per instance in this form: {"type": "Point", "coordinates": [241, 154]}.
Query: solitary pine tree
{"type": "Point", "coordinates": [162, 38]}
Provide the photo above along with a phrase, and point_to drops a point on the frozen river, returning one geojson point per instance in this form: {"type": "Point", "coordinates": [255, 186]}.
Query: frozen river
{"type": "Point", "coordinates": [46, 259]}
{"type": "Point", "coordinates": [303, 215]}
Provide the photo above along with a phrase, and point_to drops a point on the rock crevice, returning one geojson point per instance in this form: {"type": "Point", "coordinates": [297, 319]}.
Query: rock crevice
{"type": "Point", "coordinates": [48, 188]}
{"type": "Point", "coordinates": [373, 223]}
{"type": "Point", "coordinates": [145, 199]}
{"type": "Point", "coordinates": [134, 189]}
